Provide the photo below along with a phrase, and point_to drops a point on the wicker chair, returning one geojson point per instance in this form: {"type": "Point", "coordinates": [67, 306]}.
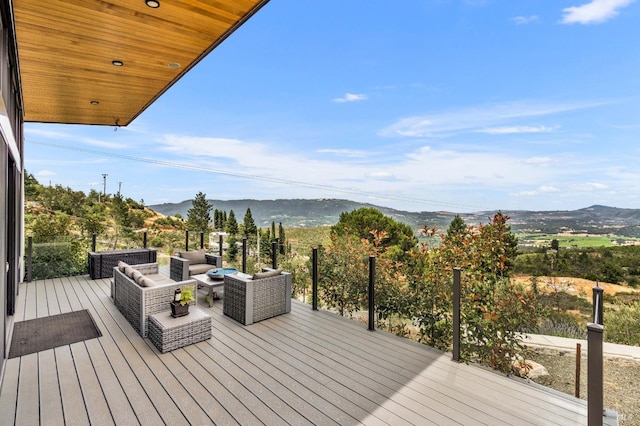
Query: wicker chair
{"type": "Point", "coordinates": [188, 263]}
{"type": "Point", "coordinates": [250, 299]}
{"type": "Point", "coordinates": [137, 303]}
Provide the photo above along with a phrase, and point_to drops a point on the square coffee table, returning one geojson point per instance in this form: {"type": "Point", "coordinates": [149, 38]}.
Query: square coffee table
{"type": "Point", "coordinates": [168, 333]}
{"type": "Point", "coordinates": [210, 284]}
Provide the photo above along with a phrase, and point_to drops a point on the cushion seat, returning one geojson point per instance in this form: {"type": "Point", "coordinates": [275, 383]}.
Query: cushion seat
{"type": "Point", "coordinates": [160, 279]}
{"type": "Point", "coordinates": [200, 268]}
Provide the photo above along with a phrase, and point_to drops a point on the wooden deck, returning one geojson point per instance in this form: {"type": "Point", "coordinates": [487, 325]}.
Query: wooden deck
{"type": "Point", "coordinates": [302, 368]}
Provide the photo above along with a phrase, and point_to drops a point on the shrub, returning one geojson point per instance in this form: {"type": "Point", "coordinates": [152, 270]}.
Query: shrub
{"type": "Point", "coordinates": [61, 258]}
{"type": "Point", "coordinates": [622, 325]}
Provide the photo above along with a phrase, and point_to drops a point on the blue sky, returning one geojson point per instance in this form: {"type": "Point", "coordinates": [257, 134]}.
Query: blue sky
{"type": "Point", "coordinates": [457, 105]}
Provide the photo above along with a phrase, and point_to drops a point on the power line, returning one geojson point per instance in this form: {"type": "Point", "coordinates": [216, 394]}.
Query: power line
{"type": "Point", "coordinates": [257, 177]}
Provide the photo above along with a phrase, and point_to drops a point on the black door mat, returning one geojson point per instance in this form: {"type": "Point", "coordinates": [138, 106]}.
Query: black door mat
{"type": "Point", "coordinates": [50, 332]}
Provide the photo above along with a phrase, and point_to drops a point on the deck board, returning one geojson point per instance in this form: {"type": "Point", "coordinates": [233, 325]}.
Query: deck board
{"type": "Point", "coordinates": [92, 393]}
{"type": "Point", "coordinates": [302, 368]}
{"type": "Point", "coordinates": [9, 392]}
{"type": "Point", "coordinates": [49, 400]}
{"type": "Point", "coordinates": [73, 406]}
{"type": "Point", "coordinates": [27, 407]}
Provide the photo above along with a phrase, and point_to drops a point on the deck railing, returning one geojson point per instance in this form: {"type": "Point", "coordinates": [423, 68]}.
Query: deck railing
{"type": "Point", "coordinates": [595, 387]}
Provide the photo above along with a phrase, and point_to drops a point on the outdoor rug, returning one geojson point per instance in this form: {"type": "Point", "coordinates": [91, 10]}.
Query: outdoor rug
{"type": "Point", "coordinates": [50, 332]}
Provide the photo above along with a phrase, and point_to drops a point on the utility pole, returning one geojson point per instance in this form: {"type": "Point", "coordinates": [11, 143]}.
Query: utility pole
{"type": "Point", "coordinates": [119, 187]}
{"type": "Point", "coordinates": [104, 191]}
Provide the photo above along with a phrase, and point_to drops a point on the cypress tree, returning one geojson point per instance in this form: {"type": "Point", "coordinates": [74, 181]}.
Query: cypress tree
{"type": "Point", "coordinates": [199, 215]}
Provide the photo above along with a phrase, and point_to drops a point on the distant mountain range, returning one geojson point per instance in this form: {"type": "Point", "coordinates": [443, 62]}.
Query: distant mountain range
{"type": "Point", "coordinates": [322, 212]}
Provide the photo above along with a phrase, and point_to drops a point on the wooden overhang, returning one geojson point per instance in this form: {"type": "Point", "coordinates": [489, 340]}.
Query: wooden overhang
{"type": "Point", "coordinates": [105, 61]}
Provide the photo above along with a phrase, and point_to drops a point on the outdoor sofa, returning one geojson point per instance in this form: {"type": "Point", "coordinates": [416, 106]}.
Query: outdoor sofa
{"type": "Point", "coordinates": [193, 262]}
{"type": "Point", "coordinates": [139, 291]}
{"type": "Point", "coordinates": [253, 298]}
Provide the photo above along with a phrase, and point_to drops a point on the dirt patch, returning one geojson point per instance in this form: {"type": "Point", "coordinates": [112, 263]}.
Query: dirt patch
{"type": "Point", "coordinates": [621, 381]}
{"type": "Point", "coordinates": [577, 286]}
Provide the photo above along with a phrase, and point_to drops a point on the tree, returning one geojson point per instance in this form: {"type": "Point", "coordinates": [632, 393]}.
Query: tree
{"type": "Point", "coordinates": [31, 187]}
{"type": "Point", "coordinates": [232, 224]}
{"type": "Point", "coordinates": [120, 213]}
{"type": "Point", "coordinates": [555, 244]}
{"type": "Point", "coordinates": [456, 227]}
{"type": "Point", "coordinates": [250, 228]}
{"type": "Point", "coordinates": [199, 215]}
{"type": "Point", "coordinates": [93, 219]}
{"type": "Point", "coordinates": [281, 238]}
{"type": "Point", "coordinates": [363, 221]}
{"type": "Point", "coordinates": [232, 251]}
{"type": "Point", "coordinates": [48, 226]}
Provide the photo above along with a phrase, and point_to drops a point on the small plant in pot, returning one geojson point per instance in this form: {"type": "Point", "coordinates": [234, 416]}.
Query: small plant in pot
{"type": "Point", "coordinates": [181, 301]}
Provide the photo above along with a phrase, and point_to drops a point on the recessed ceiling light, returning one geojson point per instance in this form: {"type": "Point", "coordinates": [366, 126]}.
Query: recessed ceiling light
{"type": "Point", "coordinates": [94, 102]}
{"type": "Point", "coordinates": [152, 3]}
{"type": "Point", "coordinates": [117, 63]}
{"type": "Point", "coordinates": [173, 65]}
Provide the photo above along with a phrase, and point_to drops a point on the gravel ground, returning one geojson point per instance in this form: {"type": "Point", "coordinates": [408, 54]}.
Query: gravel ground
{"type": "Point", "coordinates": [621, 381]}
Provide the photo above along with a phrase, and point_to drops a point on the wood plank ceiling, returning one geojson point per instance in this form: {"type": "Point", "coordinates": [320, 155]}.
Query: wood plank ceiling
{"type": "Point", "coordinates": [66, 50]}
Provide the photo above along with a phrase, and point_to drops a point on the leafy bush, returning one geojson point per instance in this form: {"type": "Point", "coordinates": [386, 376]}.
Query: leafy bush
{"type": "Point", "coordinates": [622, 325]}
{"type": "Point", "coordinates": [565, 326]}
{"type": "Point", "coordinates": [61, 258]}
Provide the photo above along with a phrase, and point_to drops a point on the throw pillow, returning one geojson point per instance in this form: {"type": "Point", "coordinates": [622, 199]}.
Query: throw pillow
{"type": "Point", "coordinates": [147, 282]}
{"type": "Point", "coordinates": [122, 266]}
{"type": "Point", "coordinates": [137, 276]}
{"type": "Point", "coordinates": [266, 274]}
{"type": "Point", "coordinates": [194, 257]}
{"type": "Point", "coordinates": [128, 271]}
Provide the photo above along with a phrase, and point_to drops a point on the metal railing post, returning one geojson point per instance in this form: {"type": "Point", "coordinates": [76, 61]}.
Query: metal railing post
{"type": "Point", "coordinates": [372, 280]}
{"type": "Point", "coordinates": [314, 279]}
{"type": "Point", "coordinates": [595, 404]}
{"type": "Point", "coordinates": [186, 240]}
{"type": "Point", "coordinates": [93, 242]}
{"type": "Point", "coordinates": [578, 359]}
{"type": "Point", "coordinates": [456, 313]}
{"type": "Point", "coordinates": [244, 255]}
{"type": "Point", "coordinates": [30, 259]}
{"type": "Point", "coordinates": [144, 239]}
{"type": "Point", "coordinates": [201, 240]}
{"type": "Point", "coordinates": [220, 245]}
{"type": "Point", "coordinates": [598, 293]}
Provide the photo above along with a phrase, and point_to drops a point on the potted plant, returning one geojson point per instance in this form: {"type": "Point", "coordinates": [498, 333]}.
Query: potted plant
{"type": "Point", "coordinates": [180, 304]}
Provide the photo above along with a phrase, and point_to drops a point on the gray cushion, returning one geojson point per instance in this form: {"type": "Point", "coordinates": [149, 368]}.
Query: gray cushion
{"type": "Point", "coordinates": [194, 257]}
{"type": "Point", "coordinates": [128, 271]}
{"type": "Point", "coordinates": [199, 268]}
{"type": "Point", "coordinates": [160, 279]}
{"type": "Point", "coordinates": [266, 274]}
{"type": "Point", "coordinates": [147, 282]}
{"type": "Point", "coordinates": [137, 276]}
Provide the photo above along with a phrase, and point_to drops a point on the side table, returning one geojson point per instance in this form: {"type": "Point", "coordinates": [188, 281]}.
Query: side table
{"type": "Point", "coordinates": [168, 333]}
{"type": "Point", "coordinates": [204, 280]}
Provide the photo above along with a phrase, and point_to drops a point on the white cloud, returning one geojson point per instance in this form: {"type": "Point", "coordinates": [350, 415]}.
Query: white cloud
{"type": "Point", "coordinates": [380, 175]}
{"type": "Point", "coordinates": [477, 118]}
{"type": "Point", "coordinates": [545, 189]}
{"type": "Point", "coordinates": [52, 134]}
{"type": "Point", "coordinates": [45, 173]}
{"type": "Point", "coordinates": [350, 153]}
{"type": "Point", "coordinates": [539, 161]}
{"type": "Point", "coordinates": [595, 12]}
{"type": "Point", "coordinates": [521, 20]}
{"type": "Point", "coordinates": [516, 129]}
{"type": "Point", "coordinates": [589, 186]}
{"type": "Point", "coordinates": [351, 97]}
